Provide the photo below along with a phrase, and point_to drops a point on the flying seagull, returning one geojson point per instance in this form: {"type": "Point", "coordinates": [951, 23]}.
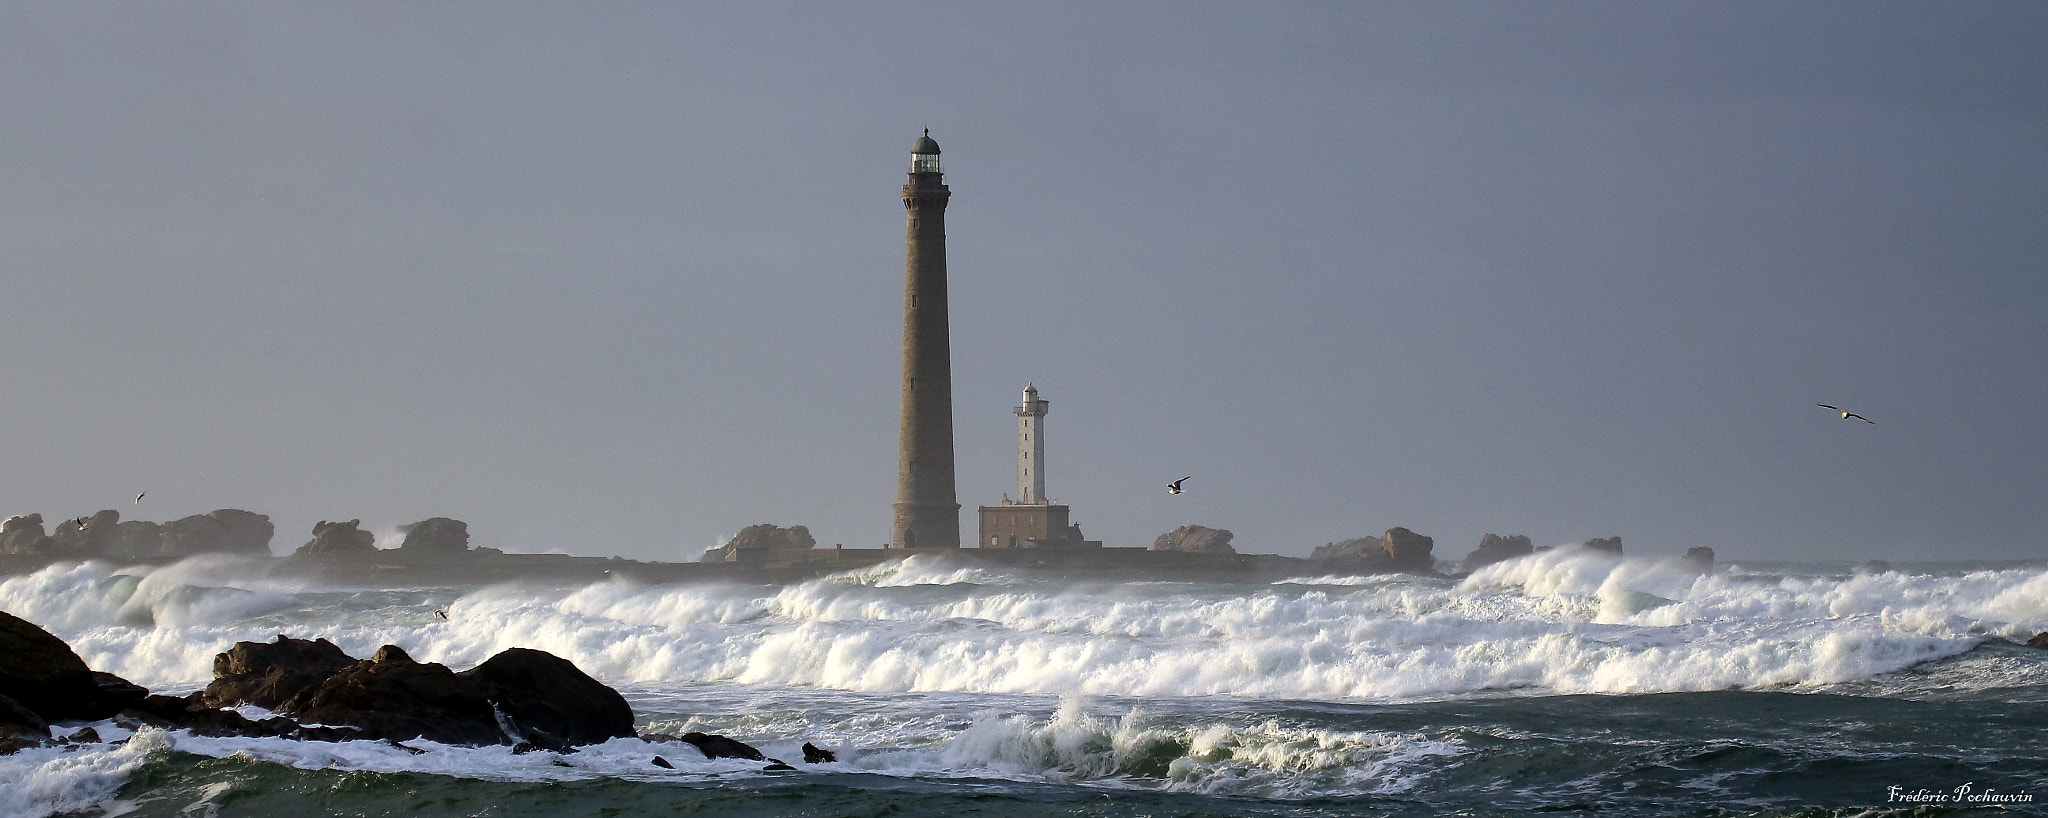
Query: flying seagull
{"type": "Point", "coordinates": [138, 497]}
{"type": "Point", "coordinates": [82, 522]}
{"type": "Point", "coordinates": [1174, 487]}
{"type": "Point", "coordinates": [1846, 414]}
{"type": "Point", "coordinates": [441, 613]}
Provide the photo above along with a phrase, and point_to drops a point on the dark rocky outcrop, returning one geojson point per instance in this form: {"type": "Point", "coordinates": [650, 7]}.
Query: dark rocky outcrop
{"type": "Point", "coordinates": [1611, 545]}
{"type": "Point", "coordinates": [1700, 559]}
{"type": "Point", "coordinates": [1495, 548]}
{"type": "Point", "coordinates": [550, 702]}
{"type": "Point", "coordinates": [339, 540]}
{"type": "Point", "coordinates": [1195, 538]}
{"type": "Point", "coordinates": [2040, 640]}
{"type": "Point", "coordinates": [269, 674]}
{"type": "Point", "coordinates": [759, 543]}
{"type": "Point", "coordinates": [391, 696]}
{"type": "Point", "coordinates": [20, 727]}
{"type": "Point", "coordinates": [814, 754]}
{"type": "Point", "coordinates": [1871, 568]}
{"type": "Point", "coordinates": [192, 713]}
{"type": "Point", "coordinates": [1397, 551]}
{"type": "Point", "coordinates": [41, 673]}
{"type": "Point", "coordinates": [436, 535]}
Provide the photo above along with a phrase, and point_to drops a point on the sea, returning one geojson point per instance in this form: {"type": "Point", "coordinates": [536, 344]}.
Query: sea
{"type": "Point", "coordinates": [1567, 683]}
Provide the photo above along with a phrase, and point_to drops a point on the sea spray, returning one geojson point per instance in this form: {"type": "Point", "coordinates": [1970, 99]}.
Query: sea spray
{"type": "Point", "coordinates": [1565, 621]}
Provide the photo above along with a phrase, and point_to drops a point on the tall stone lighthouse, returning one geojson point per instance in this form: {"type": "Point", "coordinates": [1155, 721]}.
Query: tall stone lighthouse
{"type": "Point", "coordinates": [927, 516]}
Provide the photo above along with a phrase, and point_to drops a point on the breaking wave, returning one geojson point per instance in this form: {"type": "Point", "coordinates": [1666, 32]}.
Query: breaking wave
{"type": "Point", "coordinates": [1564, 621]}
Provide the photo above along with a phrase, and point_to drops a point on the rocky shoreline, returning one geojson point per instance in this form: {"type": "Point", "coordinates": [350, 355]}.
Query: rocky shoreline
{"type": "Point", "coordinates": [526, 699]}
{"type": "Point", "coordinates": [438, 550]}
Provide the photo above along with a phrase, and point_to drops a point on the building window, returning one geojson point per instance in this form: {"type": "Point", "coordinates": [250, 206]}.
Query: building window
{"type": "Point", "coordinates": [913, 302]}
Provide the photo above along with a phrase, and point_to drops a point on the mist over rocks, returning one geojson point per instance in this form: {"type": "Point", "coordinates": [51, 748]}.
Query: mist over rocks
{"type": "Point", "coordinates": [1699, 559]}
{"type": "Point", "coordinates": [1495, 548]}
{"type": "Point", "coordinates": [1197, 539]}
{"type": "Point", "coordinates": [342, 540]}
{"type": "Point", "coordinates": [1611, 545]}
{"type": "Point", "coordinates": [760, 543]}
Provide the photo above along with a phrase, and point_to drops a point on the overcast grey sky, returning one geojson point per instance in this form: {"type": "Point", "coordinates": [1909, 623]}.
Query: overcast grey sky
{"type": "Point", "coordinates": [624, 278]}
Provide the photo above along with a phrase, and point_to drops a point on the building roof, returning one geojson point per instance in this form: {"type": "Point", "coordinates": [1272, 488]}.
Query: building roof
{"type": "Point", "coordinates": [925, 144]}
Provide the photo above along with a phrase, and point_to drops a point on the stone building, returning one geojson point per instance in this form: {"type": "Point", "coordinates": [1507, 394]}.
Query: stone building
{"type": "Point", "coordinates": [1031, 520]}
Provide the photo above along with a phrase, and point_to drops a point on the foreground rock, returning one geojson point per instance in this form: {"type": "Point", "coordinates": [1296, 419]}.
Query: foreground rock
{"type": "Point", "coordinates": [1495, 548]}
{"type": "Point", "coordinates": [1397, 551]}
{"type": "Point", "coordinates": [2040, 640]}
{"type": "Point", "coordinates": [1195, 538]}
{"type": "Point", "coordinates": [269, 674]}
{"type": "Point", "coordinates": [21, 728]}
{"type": "Point", "coordinates": [550, 702]}
{"type": "Point", "coordinates": [41, 673]}
{"type": "Point", "coordinates": [390, 696]}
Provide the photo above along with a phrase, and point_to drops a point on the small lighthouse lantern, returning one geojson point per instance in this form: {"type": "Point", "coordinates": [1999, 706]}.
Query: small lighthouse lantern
{"type": "Point", "coordinates": [924, 156]}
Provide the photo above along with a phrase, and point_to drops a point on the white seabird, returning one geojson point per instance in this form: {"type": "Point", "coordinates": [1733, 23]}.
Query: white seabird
{"type": "Point", "coordinates": [1174, 487]}
{"type": "Point", "coordinates": [1846, 414]}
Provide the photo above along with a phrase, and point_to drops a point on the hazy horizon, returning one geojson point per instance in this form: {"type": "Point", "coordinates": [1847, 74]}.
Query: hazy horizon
{"type": "Point", "coordinates": [625, 279]}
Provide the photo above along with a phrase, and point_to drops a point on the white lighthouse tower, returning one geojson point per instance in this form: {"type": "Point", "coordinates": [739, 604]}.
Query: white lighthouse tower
{"type": "Point", "coordinates": [1031, 448]}
{"type": "Point", "coordinates": [1031, 520]}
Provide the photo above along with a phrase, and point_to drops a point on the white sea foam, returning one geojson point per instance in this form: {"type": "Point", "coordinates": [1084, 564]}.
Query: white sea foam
{"type": "Point", "coordinates": [44, 781]}
{"type": "Point", "coordinates": [1568, 621]}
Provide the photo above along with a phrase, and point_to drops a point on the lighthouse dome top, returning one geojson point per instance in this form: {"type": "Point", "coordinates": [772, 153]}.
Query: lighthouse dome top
{"type": "Point", "coordinates": [925, 145]}
{"type": "Point", "coordinates": [924, 156]}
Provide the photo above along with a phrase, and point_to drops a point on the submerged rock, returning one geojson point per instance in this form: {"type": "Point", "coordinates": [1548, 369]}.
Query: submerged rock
{"type": "Point", "coordinates": [716, 746]}
{"type": "Point", "coordinates": [549, 701]}
{"type": "Point", "coordinates": [1871, 568]}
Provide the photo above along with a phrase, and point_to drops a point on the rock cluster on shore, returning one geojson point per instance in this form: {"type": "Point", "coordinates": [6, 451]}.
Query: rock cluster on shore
{"type": "Point", "coordinates": [1196, 539]}
{"type": "Point", "coordinates": [1396, 551]}
{"type": "Point", "coordinates": [529, 699]}
{"type": "Point", "coordinates": [105, 536]}
{"type": "Point", "coordinates": [761, 543]}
